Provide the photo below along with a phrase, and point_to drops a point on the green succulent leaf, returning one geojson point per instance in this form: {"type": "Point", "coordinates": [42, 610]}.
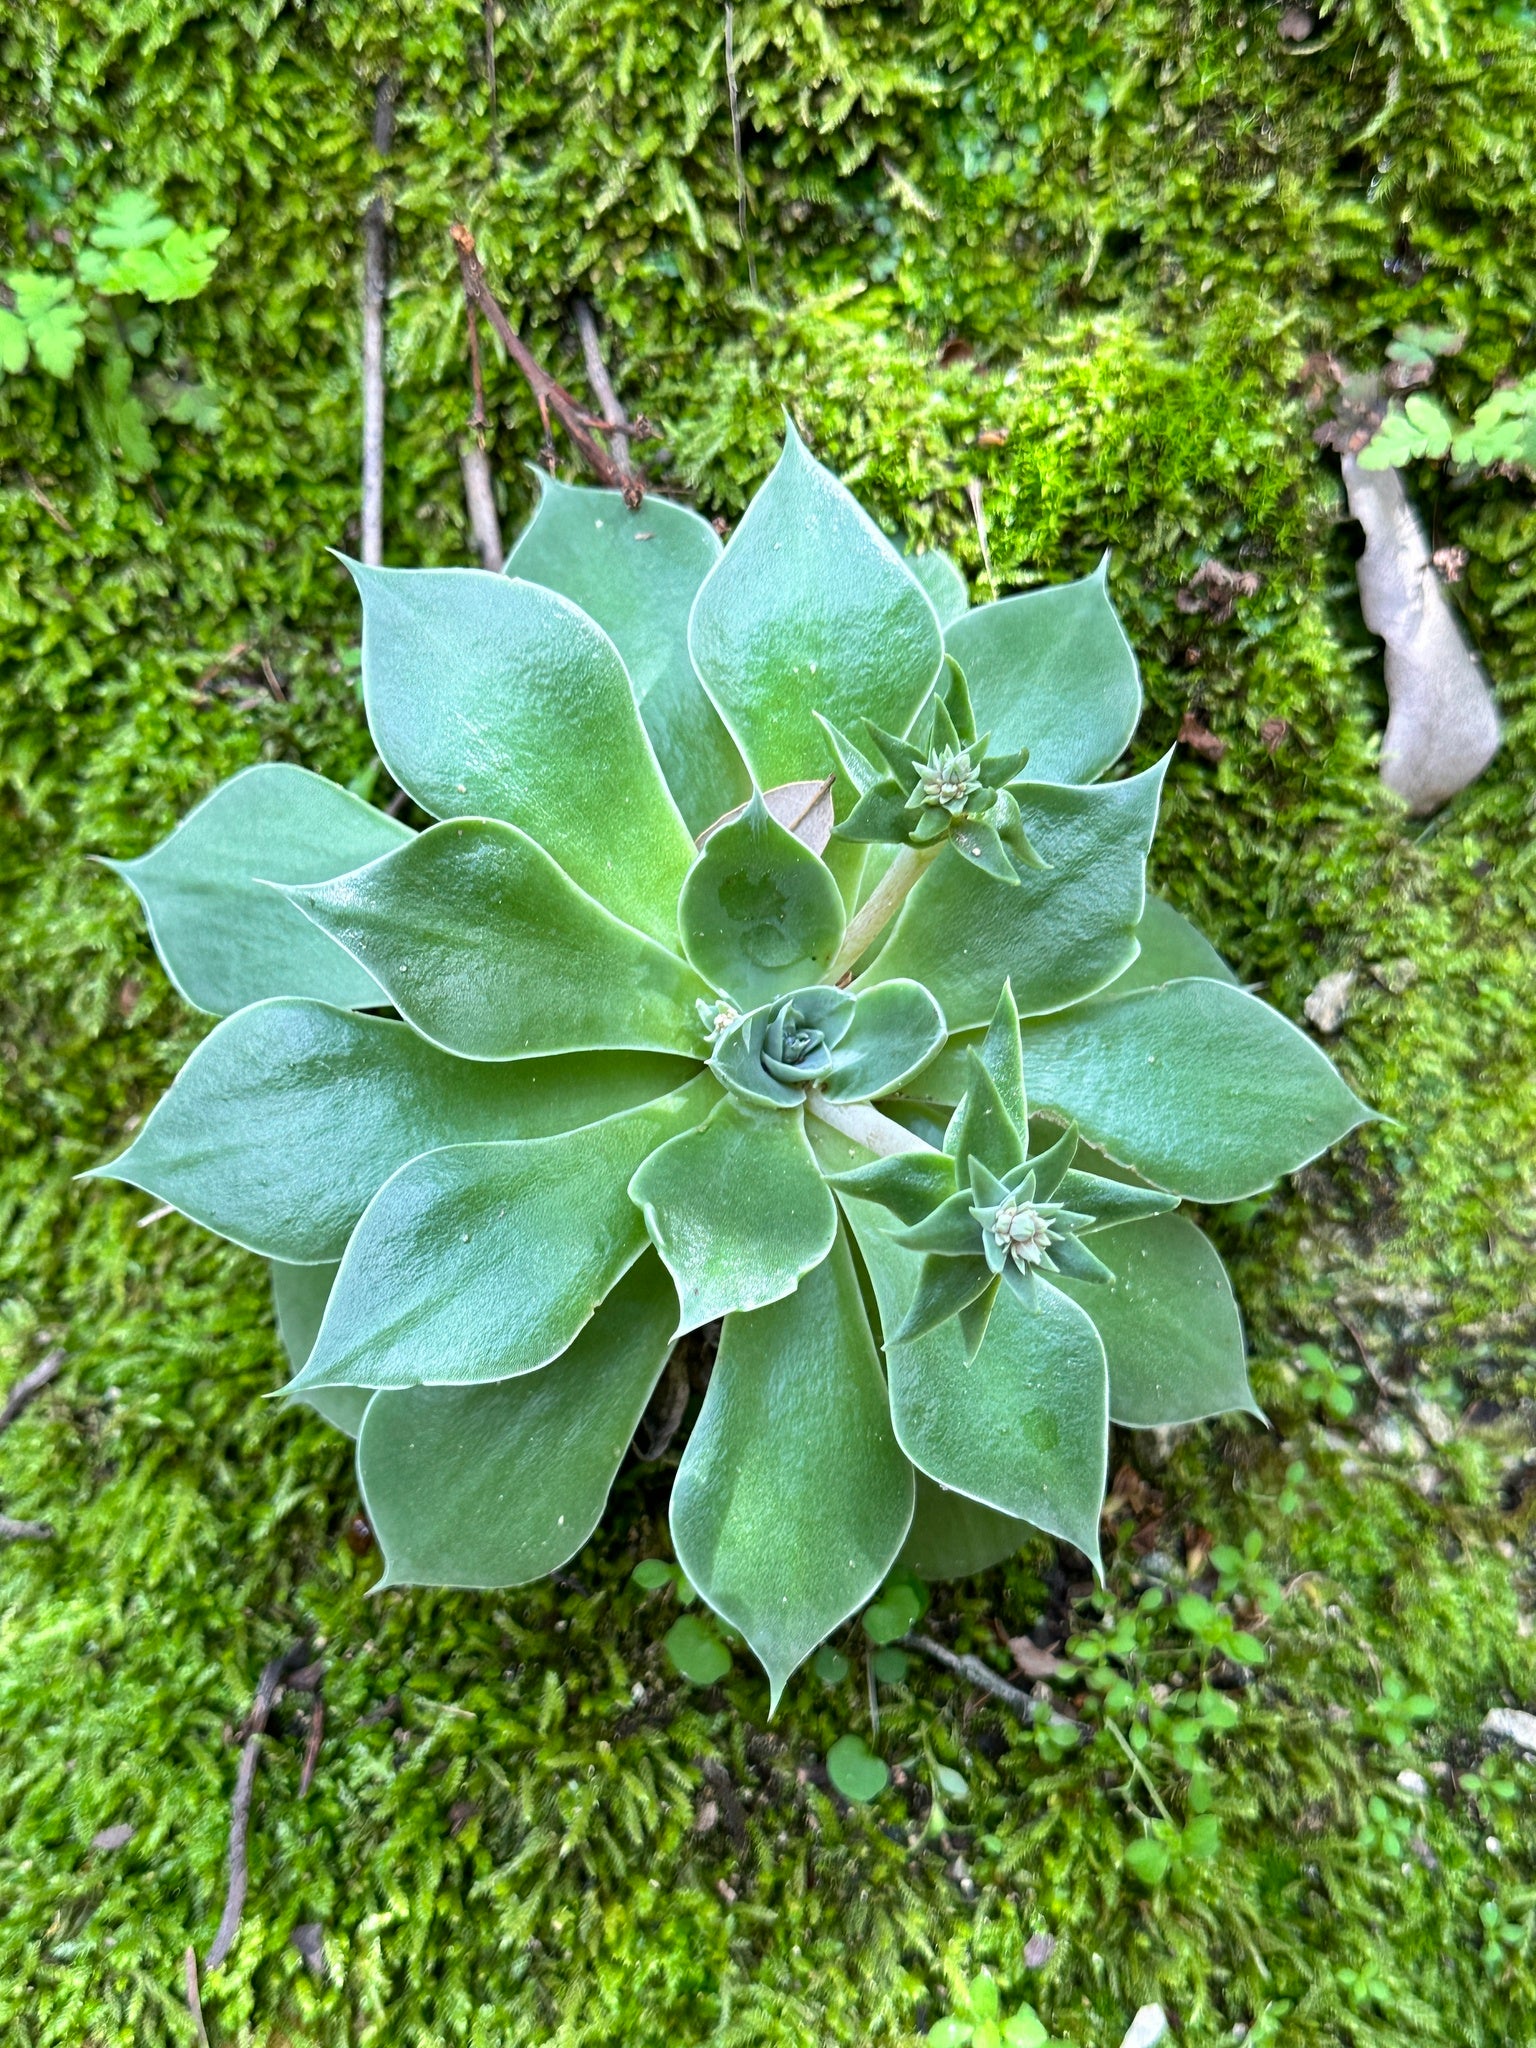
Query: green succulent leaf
{"type": "Point", "coordinates": [944, 1287]}
{"type": "Point", "coordinates": [637, 574]}
{"type": "Point", "coordinates": [1107, 1202]}
{"type": "Point", "coordinates": [1196, 1085]}
{"type": "Point", "coordinates": [1171, 1330]}
{"type": "Point", "coordinates": [489, 949]}
{"type": "Point", "coordinates": [810, 609]}
{"type": "Point", "coordinates": [291, 1115]}
{"type": "Point", "coordinates": [880, 817]}
{"type": "Point", "coordinates": [857, 770]}
{"type": "Point", "coordinates": [738, 1210]}
{"type": "Point", "coordinates": [948, 591]}
{"type": "Point", "coordinates": [299, 1295]}
{"type": "Point", "coordinates": [953, 1536]}
{"type": "Point", "coordinates": [1052, 671]}
{"type": "Point", "coordinates": [492, 698]}
{"type": "Point", "coordinates": [495, 1485]}
{"type": "Point", "coordinates": [909, 1184]}
{"type": "Point", "coordinates": [981, 1127]}
{"type": "Point", "coordinates": [1023, 1426]}
{"type": "Point", "coordinates": [792, 1498]}
{"type": "Point", "coordinates": [479, 1262]}
{"type": "Point", "coordinates": [1171, 950]}
{"type": "Point", "coordinates": [760, 914]}
{"type": "Point", "coordinates": [949, 1231]}
{"type": "Point", "coordinates": [1060, 936]}
{"type": "Point", "coordinates": [895, 1031]}
{"type": "Point", "coordinates": [227, 940]}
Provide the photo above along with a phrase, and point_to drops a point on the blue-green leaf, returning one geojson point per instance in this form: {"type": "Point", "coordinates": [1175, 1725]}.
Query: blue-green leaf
{"type": "Point", "coordinates": [1172, 949]}
{"type": "Point", "coordinates": [810, 609]}
{"type": "Point", "coordinates": [792, 1499]}
{"type": "Point", "coordinates": [496, 1485]}
{"type": "Point", "coordinates": [492, 698]}
{"type": "Point", "coordinates": [479, 1262]}
{"type": "Point", "coordinates": [637, 574]}
{"type": "Point", "coordinates": [224, 939]}
{"type": "Point", "coordinates": [1052, 671]}
{"type": "Point", "coordinates": [760, 914]}
{"type": "Point", "coordinates": [290, 1116]}
{"type": "Point", "coordinates": [490, 949]}
{"type": "Point", "coordinates": [896, 1029]}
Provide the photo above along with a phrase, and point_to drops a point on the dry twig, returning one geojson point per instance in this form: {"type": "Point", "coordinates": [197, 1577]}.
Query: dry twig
{"type": "Point", "coordinates": [24, 1532]}
{"type": "Point", "coordinates": [975, 1671]}
{"type": "Point", "coordinates": [551, 397]}
{"type": "Point", "coordinates": [29, 1386]}
{"type": "Point", "coordinates": [602, 384]}
{"type": "Point", "coordinates": [268, 1691]}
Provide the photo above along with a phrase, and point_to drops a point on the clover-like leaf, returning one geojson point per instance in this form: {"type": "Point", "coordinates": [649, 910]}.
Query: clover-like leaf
{"type": "Point", "coordinates": [1062, 934]}
{"type": "Point", "coordinates": [855, 1770]}
{"type": "Point", "coordinates": [792, 1498]}
{"type": "Point", "coordinates": [810, 609]}
{"type": "Point", "coordinates": [637, 574]}
{"type": "Point", "coordinates": [760, 914]}
{"type": "Point", "coordinates": [489, 697]}
{"type": "Point", "coordinates": [1023, 1426]}
{"type": "Point", "coordinates": [1171, 1330]}
{"type": "Point", "coordinates": [482, 1261]}
{"type": "Point", "coordinates": [1052, 671]}
{"type": "Point", "coordinates": [225, 939]}
{"type": "Point", "coordinates": [495, 1485]}
{"type": "Point", "coordinates": [488, 948]}
{"type": "Point", "coordinates": [738, 1210]}
{"type": "Point", "coordinates": [1196, 1085]}
{"type": "Point", "coordinates": [291, 1115]}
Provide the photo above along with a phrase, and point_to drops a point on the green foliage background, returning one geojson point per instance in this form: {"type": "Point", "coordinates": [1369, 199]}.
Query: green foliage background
{"type": "Point", "coordinates": [1140, 216]}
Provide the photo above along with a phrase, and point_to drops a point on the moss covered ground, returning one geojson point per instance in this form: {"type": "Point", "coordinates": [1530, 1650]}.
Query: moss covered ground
{"type": "Point", "coordinates": [523, 1826]}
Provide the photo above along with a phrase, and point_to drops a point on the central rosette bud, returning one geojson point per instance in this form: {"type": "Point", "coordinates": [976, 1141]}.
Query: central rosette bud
{"type": "Point", "coordinates": [947, 782]}
{"type": "Point", "coordinates": [794, 1048]}
{"type": "Point", "coordinates": [1021, 1231]}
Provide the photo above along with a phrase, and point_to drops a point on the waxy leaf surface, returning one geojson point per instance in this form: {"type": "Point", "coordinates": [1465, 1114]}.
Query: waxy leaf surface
{"type": "Point", "coordinates": [490, 949]}
{"type": "Point", "coordinates": [760, 914]}
{"type": "Point", "coordinates": [1196, 1085]}
{"type": "Point", "coordinates": [637, 573]}
{"type": "Point", "coordinates": [948, 592]}
{"type": "Point", "coordinates": [792, 1498]}
{"type": "Point", "coordinates": [1062, 934]}
{"type": "Point", "coordinates": [482, 1261]}
{"type": "Point", "coordinates": [896, 1029]}
{"type": "Point", "coordinates": [810, 609]}
{"type": "Point", "coordinates": [738, 1210]}
{"type": "Point", "coordinates": [299, 1295]}
{"type": "Point", "coordinates": [224, 939]}
{"type": "Point", "coordinates": [495, 1485]}
{"type": "Point", "coordinates": [953, 1536]}
{"type": "Point", "coordinates": [1171, 950]}
{"type": "Point", "coordinates": [290, 1116]}
{"type": "Point", "coordinates": [1024, 1427]}
{"type": "Point", "coordinates": [1052, 671]}
{"type": "Point", "coordinates": [492, 698]}
{"type": "Point", "coordinates": [1171, 1330]}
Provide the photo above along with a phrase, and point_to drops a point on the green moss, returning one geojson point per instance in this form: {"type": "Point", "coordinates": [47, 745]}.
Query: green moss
{"type": "Point", "coordinates": [1139, 219]}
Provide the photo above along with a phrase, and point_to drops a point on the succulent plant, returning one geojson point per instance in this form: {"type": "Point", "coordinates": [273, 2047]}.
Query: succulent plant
{"type": "Point", "coordinates": [739, 979]}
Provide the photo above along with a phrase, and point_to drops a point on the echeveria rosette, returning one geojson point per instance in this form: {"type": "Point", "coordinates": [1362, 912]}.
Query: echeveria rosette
{"type": "Point", "coordinates": [611, 1050]}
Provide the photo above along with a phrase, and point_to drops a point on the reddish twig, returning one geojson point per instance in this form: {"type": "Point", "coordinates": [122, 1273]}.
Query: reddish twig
{"type": "Point", "coordinates": [312, 1747]}
{"type": "Point", "coordinates": [195, 1999]}
{"type": "Point", "coordinates": [29, 1386]}
{"type": "Point", "coordinates": [551, 397]}
{"type": "Point", "coordinates": [268, 1690]}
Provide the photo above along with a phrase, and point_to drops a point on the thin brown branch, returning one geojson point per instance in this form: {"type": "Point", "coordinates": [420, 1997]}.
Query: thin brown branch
{"type": "Point", "coordinates": [269, 1689]}
{"type": "Point", "coordinates": [195, 1999]}
{"type": "Point", "coordinates": [551, 397]}
{"type": "Point", "coordinates": [972, 1669]}
{"type": "Point", "coordinates": [29, 1386]}
{"type": "Point", "coordinates": [312, 1747]}
{"type": "Point", "coordinates": [602, 384]}
{"type": "Point", "coordinates": [480, 503]}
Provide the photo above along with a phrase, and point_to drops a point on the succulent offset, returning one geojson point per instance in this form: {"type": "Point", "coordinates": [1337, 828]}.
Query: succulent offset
{"type": "Point", "coordinates": [779, 957]}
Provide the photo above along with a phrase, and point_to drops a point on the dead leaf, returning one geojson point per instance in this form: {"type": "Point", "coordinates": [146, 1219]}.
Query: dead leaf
{"type": "Point", "coordinates": [1199, 738]}
{"type": "Point", "coordinates": [1325, 1008]}
{"type": "Point", "coordinates": [1029, 1658]}
{"type": "Point", "coordinates": [1273, 733]}
{"type": "Point", "coordinates": [1214, 589]}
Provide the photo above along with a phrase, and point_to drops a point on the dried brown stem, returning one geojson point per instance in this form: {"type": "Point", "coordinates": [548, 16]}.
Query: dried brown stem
{"type": "Point", "coordinates": [551, 397]}
{"type": "Point", "coordinates": [602, 384]}
{"type": "Point", "coordinates": [268, 1691]}
{"type": "Point", "coordinates": [975, 1671]}
{"type": "Point", "coordinates": [24, 1532]}
{"type": "Point", "coordinates": [29, 1386]}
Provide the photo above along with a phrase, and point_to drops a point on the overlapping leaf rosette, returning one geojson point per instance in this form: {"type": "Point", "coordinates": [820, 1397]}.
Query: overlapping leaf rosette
{"type": "Point", "coordinates": [778, 958]}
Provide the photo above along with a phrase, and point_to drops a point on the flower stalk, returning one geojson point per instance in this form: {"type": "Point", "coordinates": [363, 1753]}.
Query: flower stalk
{"type": "Point", "coordinates": [885, 899]}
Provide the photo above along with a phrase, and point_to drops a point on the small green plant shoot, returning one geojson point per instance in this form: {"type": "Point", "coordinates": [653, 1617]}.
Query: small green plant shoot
{"type": "Point", "coordinates": [779, 957]}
